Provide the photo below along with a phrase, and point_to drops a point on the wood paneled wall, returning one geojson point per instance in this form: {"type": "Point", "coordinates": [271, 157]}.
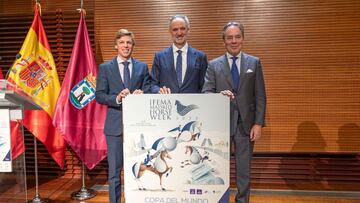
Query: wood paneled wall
{"type": "Point", "coordinates": [310, 52]}
{"type": "Point", "coordinates": [8, 7]}
{"type": "Point", "coordinates": [60, 27]}
{"type": "Point", "coordinates": [309, 49]}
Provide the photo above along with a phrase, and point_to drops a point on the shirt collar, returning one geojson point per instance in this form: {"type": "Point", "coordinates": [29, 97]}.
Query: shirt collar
{"type": "Point", "coordinates": [229, 56]}
{"type": "Point", "coordinates": [119, 60]}
{"type": "Point", "coordinates": [183, 49]}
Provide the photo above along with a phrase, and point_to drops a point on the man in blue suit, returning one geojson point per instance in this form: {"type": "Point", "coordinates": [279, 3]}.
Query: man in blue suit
{"type": "Point", "coordinates": [116, 79]}
{"type": "Point", "coordinates": [239, 76]}
{"type": "Point", "coordinates": [179, 68]}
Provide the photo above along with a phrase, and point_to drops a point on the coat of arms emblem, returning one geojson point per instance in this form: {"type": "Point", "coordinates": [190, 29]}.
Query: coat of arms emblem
{"type": "Point", "coordinates": [83, 92]}
{"type": "Point", "coordinates": [34, 72]}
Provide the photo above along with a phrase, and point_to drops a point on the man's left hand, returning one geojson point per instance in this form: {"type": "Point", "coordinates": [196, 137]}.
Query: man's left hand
{"type": "Point", "coordinates": [137, 91]}
{"type": "Point", "coordinates": [255, 132]}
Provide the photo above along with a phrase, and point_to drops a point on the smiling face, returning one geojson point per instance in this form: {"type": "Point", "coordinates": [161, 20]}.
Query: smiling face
{"type": "Point", "coordinates": [233, 40]}
{"type": "Point", "coordinates": [178, 31]}
{"type": "Point", "coordinates": [124, 46]}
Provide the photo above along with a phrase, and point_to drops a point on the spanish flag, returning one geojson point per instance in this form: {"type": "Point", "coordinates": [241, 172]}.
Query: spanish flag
{"type": "Point", "coordinates": [34, 72]}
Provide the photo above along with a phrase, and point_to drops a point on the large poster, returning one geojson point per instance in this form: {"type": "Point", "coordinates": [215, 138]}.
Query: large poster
{"type": "Point", "coordinates": [176, 148]}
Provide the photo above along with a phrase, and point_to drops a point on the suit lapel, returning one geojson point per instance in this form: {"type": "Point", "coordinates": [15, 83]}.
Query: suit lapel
{"type": "Point", "coordinates": [133, 73]}
{"type": "Point", "coordinates": [242, 68]}
{"type": "Point", "coordinates": [191, 59]}
{"type": "Point", "coordinates": [226, 71]}
{"type": "Point", "coordinates": [170, 63]}
{"type": "Point", "coordinates": [116, 72]}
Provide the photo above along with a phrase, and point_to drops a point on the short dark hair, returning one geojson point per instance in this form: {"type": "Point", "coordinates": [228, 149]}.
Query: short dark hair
{"type": "Point", "coordinates": [124, 32]}
{"type": "Point", "coordinates": [235, 24]}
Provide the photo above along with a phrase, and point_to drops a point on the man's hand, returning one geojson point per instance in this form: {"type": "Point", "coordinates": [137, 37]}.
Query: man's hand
{"type": "Point", "coordinates": [228, 93]}
{"type": "Point", "coordinates": [255, 132]}
{"type": "Point", "coordinates": [137, 91]}
{"type": "Point", "coordinates": [122, 94]}
{"type": "Point", "coordinates": [164, 90]}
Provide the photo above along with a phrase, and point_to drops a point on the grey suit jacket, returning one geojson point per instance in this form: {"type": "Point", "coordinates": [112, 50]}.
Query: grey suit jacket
{"type": "Point", "coordinates": [109, 84]}
{"type": "Point", "coordinates": [249, 106]}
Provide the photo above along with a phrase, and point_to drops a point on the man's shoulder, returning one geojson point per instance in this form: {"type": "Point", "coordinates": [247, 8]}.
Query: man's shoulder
{"type": "Point", "coordinates": [163, 52]}
{"type": "Point", "coordinates": [197, 51]}
{"type": "Point", "coordinates": [219, 59]}
{"type": "Point", "coordinates": [138, 62]}
{"type": "Point", "coordinates": [108, 63]}
{"type": "Point", "coordinates": [250, 57]}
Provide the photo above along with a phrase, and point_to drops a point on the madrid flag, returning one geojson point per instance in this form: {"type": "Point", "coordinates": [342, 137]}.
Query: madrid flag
{"type": "Point", "coordinates": [34, 72]}
{"type": "Point", "coordinates": [78, 116]}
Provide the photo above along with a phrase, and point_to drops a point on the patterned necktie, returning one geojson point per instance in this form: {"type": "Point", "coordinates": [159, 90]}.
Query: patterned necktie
{"type": "Point", "coordinates": [126, 78]}
{"type": "Point", "coordinates": [178, 67]}
{"type": "Point", "coordinates": [235, 73]}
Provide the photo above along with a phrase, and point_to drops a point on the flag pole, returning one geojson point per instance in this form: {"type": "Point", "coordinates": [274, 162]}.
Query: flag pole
{"type": "Point", "coordinates": [83, 193]}
{"type": "Point", "coordinates": [37, 198]}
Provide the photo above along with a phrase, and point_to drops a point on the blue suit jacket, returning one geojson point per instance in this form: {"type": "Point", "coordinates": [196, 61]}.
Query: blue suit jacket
{"type": "Point", "coordinates": [163, 71]}
{"type": "Point", "coordinates": [109, 84]}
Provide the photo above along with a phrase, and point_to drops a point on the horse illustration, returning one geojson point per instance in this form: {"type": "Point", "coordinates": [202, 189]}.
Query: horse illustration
{"type": "Point", "coordinates": [159, 167]}
{"type": "Point", "coordinates": [190, 132]}
{"type": "Point", "coordinates": [184, 109]}
{"type": "Point", "coordinates": [195, 156]}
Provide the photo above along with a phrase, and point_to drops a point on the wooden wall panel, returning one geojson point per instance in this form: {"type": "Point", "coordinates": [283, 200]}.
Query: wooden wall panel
{"type": "Point", "coordinates": [26, 6]}
{"type": "Point", "coordinates": [60, 27]}
{"type": "Point", "coordinates": [309, 49]}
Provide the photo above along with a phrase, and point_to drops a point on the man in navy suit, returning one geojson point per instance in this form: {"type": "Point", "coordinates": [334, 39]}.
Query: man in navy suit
{"type": "Point", "coordinates": [116, 79]}
{"type": "Point", "coordinates": [239, 76]}
{"type": "Point", "coordinates": [179, 68]}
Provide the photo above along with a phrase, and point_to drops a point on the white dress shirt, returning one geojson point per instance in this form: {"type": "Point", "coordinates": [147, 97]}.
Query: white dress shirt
{"type": "Point", "coordinates": [184, 51]}
{"type": "Point", "coordinates": [121, 67]}
{"type": "Point", "coordinates": [121, 70]}
{"type": "Point", "coordinates": [230, 60]}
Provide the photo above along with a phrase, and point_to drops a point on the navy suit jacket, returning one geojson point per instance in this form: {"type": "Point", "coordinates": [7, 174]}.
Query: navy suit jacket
{"type": "Point", "coordinates": [109, 84]}
{"type": "Point", "coordinates": [163, 71]}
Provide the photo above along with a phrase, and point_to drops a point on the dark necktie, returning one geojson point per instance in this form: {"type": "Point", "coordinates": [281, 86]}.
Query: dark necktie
{"type": "Point", "coordinates": [235, 73]}
{"type": "Point", "coordinates": [178, 67]}
{"type": "Point", "coordinates": [126, 78]}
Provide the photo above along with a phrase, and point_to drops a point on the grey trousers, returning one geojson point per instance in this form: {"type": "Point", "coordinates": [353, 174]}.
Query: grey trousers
{"type": "Point", "coordinates": [243, 155]}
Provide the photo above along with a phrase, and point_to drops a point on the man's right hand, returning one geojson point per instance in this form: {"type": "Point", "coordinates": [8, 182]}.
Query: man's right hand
{"type": "Point", "coordinates": [122, 95]}
{"type": "Point", "coordinates": [164, 90]}
{"type": "Point", "coordinates": [228, 93]}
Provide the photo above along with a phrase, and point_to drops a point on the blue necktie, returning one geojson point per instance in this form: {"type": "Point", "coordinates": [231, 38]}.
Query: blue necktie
{"type": "Point", "coordinates": [178, 67]}
{"type": "Point", "coordinates": [235, 73]}
{"type": "Point", "coordinates": [126, 74]}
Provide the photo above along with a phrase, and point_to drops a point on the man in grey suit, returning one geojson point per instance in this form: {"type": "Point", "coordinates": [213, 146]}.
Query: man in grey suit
{"type": "Point", "coordinates": [239, 76]}
{"type": "Point", "coordinates": [179, 68]}
{"type": "Point", "coordinates": [116, 79]}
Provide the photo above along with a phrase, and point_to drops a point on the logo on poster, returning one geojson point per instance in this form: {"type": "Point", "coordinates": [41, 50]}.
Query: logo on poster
{"type": "Point", "coordinates": [160, 109]}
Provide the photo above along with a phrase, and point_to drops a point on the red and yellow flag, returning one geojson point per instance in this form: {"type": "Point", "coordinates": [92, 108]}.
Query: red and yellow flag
{"type": "Point", "coordinates": [34, 72]}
